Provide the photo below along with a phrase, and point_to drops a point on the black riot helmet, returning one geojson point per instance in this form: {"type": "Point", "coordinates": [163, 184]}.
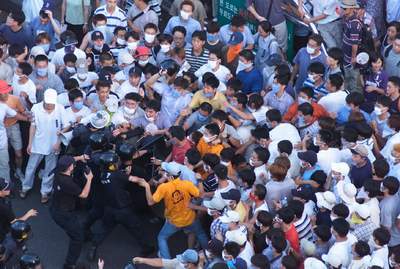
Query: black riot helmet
{"type": "Point", "coordinates": [20, 230]}
{"type": "Point", "coordinates": [171, 66]}
{"type": "Point", "coordinates": [125, 151]}
{"type": "Point", "coordinates": [29, 261]}
{"type": "Point", "coordinates": [98, 140]}
{"type": "Point", "coordinates": [109, 161]}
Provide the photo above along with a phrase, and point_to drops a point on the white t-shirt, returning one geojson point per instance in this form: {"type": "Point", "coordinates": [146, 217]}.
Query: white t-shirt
{"type": "Point", "coordinates": [58, 56]}
{"type": "Point", "coordinates": [327, 157]}
{"type": "Point", "coordinates": [285, 131]}
{"type": "Point", "coordinates": [259, 115]}
{"type": "Point", "coordinates": [86, 84]}
{"type": "Point", "coordinates": [261, 174]}
{"type": "Point", "coordinates": [120, 116]}
{"type": "Point", "coordinates": [5, 111]}
{"type": "Point", "coordinates": [126, 87]}
{"type": "Point", "coordinates": [47, 125]}
{"type": "Point", "coordinates": [29, 87]}
{"type": "Point", "coordinates": [383, 254]}
{"type": "Point", "coordinates": [326, 7]}
{"type": "Point", "coordinates": [71, 116]}
{"type": "Point", "coordinates": [63, 98]}
{"type": "Point", "coordinates": [221, 73]}
{"type": "Point", "coordinates": [246, 254]}
{"type": "Point", "coordinates": [334, 102]}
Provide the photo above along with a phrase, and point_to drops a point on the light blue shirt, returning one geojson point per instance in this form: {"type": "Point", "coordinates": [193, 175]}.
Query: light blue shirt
{"type": "Point", "coordinates": [190, 25]}
{"type": "Point", "coordinates": [225, 34]}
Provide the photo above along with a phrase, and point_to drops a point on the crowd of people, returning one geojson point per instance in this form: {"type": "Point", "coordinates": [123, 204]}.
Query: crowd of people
{"type": "Point", "coordinates": [262, 160]}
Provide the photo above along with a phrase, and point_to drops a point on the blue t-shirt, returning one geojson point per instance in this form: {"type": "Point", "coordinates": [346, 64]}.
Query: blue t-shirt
{"type": "Point", "coordinates": [344, 113]}
{"type": "Point", "coordinates": [252, 81]}
{"type": "Point", "coordinates": [22, 37]}
{"type": "Point", "coordinates": [303, 60]}
{"type": "Point", "coordinates": [190, 25]}
{"type": "Point", "coordinates": [37, 27]}
{"type": "Point", "coordinates": [308, 173]}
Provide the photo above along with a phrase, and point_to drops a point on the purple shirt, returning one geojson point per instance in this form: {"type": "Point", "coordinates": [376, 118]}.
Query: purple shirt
{"type": "Point", "coordinates": [351, 36]}
{"type": "Point", "coordinates": [379, 80]}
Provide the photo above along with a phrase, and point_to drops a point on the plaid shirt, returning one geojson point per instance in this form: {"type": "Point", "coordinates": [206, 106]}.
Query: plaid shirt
{"type": "Point", "coordinates": [218, 226]}
{"type": "Point", "coordinates": [364, 231]}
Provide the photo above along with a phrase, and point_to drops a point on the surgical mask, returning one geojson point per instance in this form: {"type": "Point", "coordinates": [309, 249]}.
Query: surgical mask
{"type": "Point", "coordinates": [224, 163]}
{"type": "Point", "coordinates": [210, 212]}
{"type": "Point", "coordinates": [45, 47]}
{"type": "Point", "coordinates": [206, 168]}
{"type": "Point", "coordinates": [302, 100]}
{"type": "Point", "coordinates": [143, 62]}
{"type": "Point", "coordinates": [252, 163]}
{"type": "Point", "coordinates": [300, 121]}
{"type": "Point", "coordinates": [165, 48]}
{"type": "Point", "coordinates": [378, 111]}
{"type": "Point", "coordinates": [41, 72]}
{"type": "Point", "coordinates": [70, 69]}
{"type": "Point", "coordinates": [78, 105]}
{"type": "Point", "coordinates": [151, 119]}
{"type": "Point", "coordinates": [212, 37]}
{"type": "Point", "coordinates": [258, 224]}
{"type": "Point", "coordinates": [212, 64]}
{"type": "Point", "coordinates": [243, 66]}
{"type": "Point", "coordinates": [310, 50]}
{"type": "Point", "coordinates": [311, 78]}
{"type": "Point", "coordinates": [209, 139]}
{"type": "Point", "coordinates": [275, 87]}
{"type": "Point", "coordinates": [129, 111]}
{"type": "Point", "coordinates": [201, 118]}
{"type": "Point", "coordinates": [132, 45]}
{"type": "Point", "coordinates": [185, 15]}
{"type": "Point", "coordinates": [121, 41]}
{"type": "Point", "coordinates": [208, 95]}
{"type": "Point", "coordinates": [315, 142]}
{"type": "Point", "coordinates": [82, 76]}
{"type": "Point", "coordinates": [99, 48]}
{"type": "Point", "coordinates": [175, 94]}
{"type": "Point", "coordinates": [149, 38]}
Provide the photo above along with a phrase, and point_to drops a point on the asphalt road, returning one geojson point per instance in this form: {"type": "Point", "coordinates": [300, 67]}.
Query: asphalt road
{"type": "Point", "coordinates": [50, 242]}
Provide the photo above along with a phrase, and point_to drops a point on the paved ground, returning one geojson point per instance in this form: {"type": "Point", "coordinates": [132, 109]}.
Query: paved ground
{"type": "Point", "coordinates": [50, 242]}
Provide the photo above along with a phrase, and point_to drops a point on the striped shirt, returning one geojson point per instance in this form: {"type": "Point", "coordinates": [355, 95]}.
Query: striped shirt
{"type": "Point", "coordinates": [303, 227]}
{"type": "Point", "coordinates": [117, 18]}
{"type": "Point", "coordinates": [351, 36]}
{"type": "Point", "coordinates": [153, 4]}
{"type": "Point", "coordinates": [319, 91]}
{"type": "Point", "coordinates": [196, 61]}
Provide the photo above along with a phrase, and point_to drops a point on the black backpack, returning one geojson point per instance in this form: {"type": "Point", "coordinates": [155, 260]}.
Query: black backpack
{"type": "Point", "coordinates": [367, 41]}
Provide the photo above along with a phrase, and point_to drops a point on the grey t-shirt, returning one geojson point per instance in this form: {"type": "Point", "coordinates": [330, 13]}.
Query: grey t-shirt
{"type": "Point", "coordinates": [390, 209]}
{"type": "Point", "coordinates": [276, 15]}
{"type": "Point", "coordinates": [276, 191]}
{"type": "Point", "coordinates": [52, 82]}
{"type": "Point", "coordinates": [195, 123]}
{"type": "Point", "coordinates": [392, 64]}
{"type": "Point", "coordinates": [161, 122]}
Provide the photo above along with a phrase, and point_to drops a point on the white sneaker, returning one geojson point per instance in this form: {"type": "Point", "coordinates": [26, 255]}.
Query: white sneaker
{"type": "Point", "coordinates": [19, 174]}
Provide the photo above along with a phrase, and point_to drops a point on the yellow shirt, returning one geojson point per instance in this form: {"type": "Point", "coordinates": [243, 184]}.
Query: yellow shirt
{"type": "Point", "coordinates": [205, 148]}
{"type": "Point", "coordinates": [177, 195]}
{"type": "Point", "coordinates": [241, 209]}
{"type": "Point", "coordinates": [217, 102]}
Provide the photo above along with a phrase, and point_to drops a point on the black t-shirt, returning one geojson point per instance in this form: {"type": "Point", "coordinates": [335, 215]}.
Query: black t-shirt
{"type": "Point", "coordinates": [259, 241]}
{"type": "Point", "coordinates": [66, 192]}
{"type": "Point", "coordinates": [6, 217]}
{"type": "Point", "coordinates": [115, 189]}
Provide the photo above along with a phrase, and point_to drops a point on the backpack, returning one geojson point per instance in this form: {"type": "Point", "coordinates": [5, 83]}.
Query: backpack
{"type": "Point", "coordinates": [367, 41]}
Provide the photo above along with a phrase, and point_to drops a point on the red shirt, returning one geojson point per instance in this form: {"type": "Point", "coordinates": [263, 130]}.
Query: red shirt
{"type": "Point", "coordinates": [178, 152]}
{"type": "Point", "coordinates": [293, 237]}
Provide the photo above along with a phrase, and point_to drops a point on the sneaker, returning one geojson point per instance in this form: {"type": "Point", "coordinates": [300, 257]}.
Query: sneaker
{"type": "Point", "coordinates": [18, 174]}
{"type": "Point", "coordinates": [44, 199]}
{"type": "Point", "coordinates": [22, 194]}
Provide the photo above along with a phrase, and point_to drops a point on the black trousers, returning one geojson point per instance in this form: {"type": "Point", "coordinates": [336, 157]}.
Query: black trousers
{"type": "Point", "coordinates": [127, 218]}
{"type": "Point", "coordinates": [69, 222]}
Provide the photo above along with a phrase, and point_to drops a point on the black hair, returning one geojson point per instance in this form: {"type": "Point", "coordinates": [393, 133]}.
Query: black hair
{"type": "Point", "coordinates": [227, 154]}
{"type": "Point", "coordinates": [337, 54]}
{"type": "Point", "coordinates": [213, 128]}
{"type": "Point", "coordinates": [307, 91]}
{"type": "Point", "coordinates": [177, 132]}
{"type": "Point", "coordinates": [382, 235]}
{"type": "Point", "coordinates": [327, 136]}
{"type": "Point", "coordinates": [117, 29]}
{"type": "Point", "coordinates": [133, 96]}
{"type": "Point", "coordinates": [219, 115]}
{"type": "Point", "coordinates": [372, 187]}
{"type": "Point", "coordinates": [297, 207]}
{"type": "Point", "coordinates": [260, 191]}
{"type": "Point", "coordinates": [392, 184]}
{"type": "Point", "coordinates": [153, 104]}
{"type": "Point", "coordinates": [361, 248]}
{"type": "Point", "coordinates": [262, 154]}
{"type": "Point", "coordinates": [221, 171]}
{"type": "Point", "coordinates": [211, 81]}
{"type": "Point", "coordinates": [381, 167]}
{"type": "Point", "coordinates": [355, 98]}
{"type": "Point", "coordinates": [200, 35]}
{"type": "Point", "coordinates": [247, 175]}
{"type": "Point", "coordinates": [164, 37]}
{"type": "Point", "coordinates": [26, 68]}
{"type": "Point", "coordinates": [323, 232]}
{"type": "Point", "coordinates": [238, 21]}
{"type": "Point", "coordinates": [278, 243]}
{"type": "Point", "coordinates": [274, 115]}
{"type": "Point", "coordinates": [306, 109]}
{"type": "Point", "coordinates": [394, 122]}
{"type": "Point", "coordinates": [193, 156]}
{"type": "Point", "coordinates": [41, 58]}
{"type": "Point", "coordinates": [247, 54]}
{"type": "Point", "coordinates": [336, 81]}
{"type": "Point", "coordinates": [350, 134]}
{"type": "Point", "coordinates": [211, 159]}
{"type": "Point", "coordinates": [341, 226]}
{"type": "Point", "coordinates": [70, 84]}
{"type": "Point", "coordinates": [73, 94]}
{"type": "Point", "coordinates": [181, 82]}
{"type": "Point", "coordinates": [134, 35]}
{"type": "Point", "coordinates": [341, 210]}
{"type": "Point", "coordinates": [317, 68]}
{"type": "Point", "coordinates": [286, 214]}
{"type": "Point", "coordinates": [317, 38]}
{"type": "Point", "coordinates": [257, 100]}
{"type": "Point", "coordinates": [384, 100]}
{"type": "Point", "coordinates": [285, 146]}
{"type": "Point", "coordinates": [70, 57]}
{"type": "Point", "coordinates": [180, 29]}
{"type": "Point", "coordinates": [234, 84]}
{"type": "Point", "coordinates": [205, 106]}
{"type": "Point", "coordinates": [212, 27]}
{"type": "Point", "coordinates": [290, 262]}
{"type": "Point", "coordinates": [232, 248]}
{"type": "Point", "coordinates": [265, 218]}
{"type": "Point", "coordinates": [266, 26]}
{"type": "Point", "coordinates": [18, 16]}
{"type": "Point", "coordinates": [241, 98]}
{"type": "Point", "coordinates": [151, 25]}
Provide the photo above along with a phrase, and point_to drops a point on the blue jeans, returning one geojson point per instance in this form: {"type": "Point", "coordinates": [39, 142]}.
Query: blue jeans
{"type": "Point", "coordinates": [169, 229]}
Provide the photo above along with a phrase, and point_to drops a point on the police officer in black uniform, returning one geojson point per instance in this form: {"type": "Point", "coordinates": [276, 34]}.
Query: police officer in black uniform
{"type": "Point", "coordinates": [30, 261]}
{"type": "Point", "coordinates": [118, 209]}
{"type": "Point", "coordinates": [63, 207]}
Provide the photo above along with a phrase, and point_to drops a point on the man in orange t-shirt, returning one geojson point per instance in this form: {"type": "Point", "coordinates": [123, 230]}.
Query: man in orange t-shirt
{"type": "Point", "coordinates": [210, 143]}
{"type": "Point", "coordinates": [305, 95]}
{"type": "Point", "coordinates": [177, 195]}
{"type": "Point", "coordinates": [13, 130]}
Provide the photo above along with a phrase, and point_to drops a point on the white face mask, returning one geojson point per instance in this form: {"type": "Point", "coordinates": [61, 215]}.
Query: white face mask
{"type": "Point", "coordinates": [132, 45]}
{"type": "Point", "coordinates": [212, 64]}
{"type": "Point", "coordinates": [185, 15]}
{"type": "Point", "coordinates": [70, 69]}
{"type": "Point", "coordinates": [378, 111]}
{"type": "Point", "coordinates": [165, 48]}
{"type": "Point", "coordinates": [129, 111]}
{"type": "Point", "coordinates": [208, 139]}
{"type": "Point", "coordinates": [149, 38]}
{"type": "Point", "coordinates": [121, 41]}
{"type": "Point", "coordinates": [143, 62]}
{"type": "Point", "coordinates": [243, 66]}
{"type": "Point", "coordinates": [302, 100]}
{"type": "Point", "coordinates": [208, 254]}
{"type": "Point", "coordinates": [310, 50]}
{"type": "Point", "coordinates": [151, 119]}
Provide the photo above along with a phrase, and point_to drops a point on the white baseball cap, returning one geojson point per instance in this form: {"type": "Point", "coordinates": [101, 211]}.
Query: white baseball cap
{"type": "Point", "coordinates": [347, 192]}
{"type": "Point", "coordinates": [230, 216]}
{"type": "Point", "coordinates": [126, 58]}
{"type": "Point", "coordinates": [342, 168]}
{"type": "Point", "coordinates": [307, 247]}
{"type": "Point", "coordinates": [50, 97]}
{"type": "Point", "coordinates": [236, 236]}
{"type": "Point", "coordinates": [332, 258]}
{"type": "Point", "coordinates": [363, 211]}
{"type": "Point", "coordinates": [313, 263]}
{"type": "Point", "coordinates": [216, 203]}
{"type": "Point", "coordinates": [37, 50]}
{"type": "Point", "coordinates": [326, 199]}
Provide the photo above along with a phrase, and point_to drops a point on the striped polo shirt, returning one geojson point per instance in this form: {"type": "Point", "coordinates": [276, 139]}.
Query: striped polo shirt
{"type": "Point", "coordinates": [117, 18]}
{"type": "Point", "coordinates": [196, 61]}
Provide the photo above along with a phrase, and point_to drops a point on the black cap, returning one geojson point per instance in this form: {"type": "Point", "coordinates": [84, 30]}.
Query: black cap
{"type": "Point", "coordinates": [105, 75]}
{"type": "Point", "coordinates": [97, 35]}
{"type": "Point", "coordinates": [304, 192]}
{"type": "Point", "coordinates": [308, 156]}
{"type": "Point", "coordinates": [4, 185]}
{"type": "Point", "coordinates": [232, 194]}
{"type": "Point", "coordinates": [64, 162]}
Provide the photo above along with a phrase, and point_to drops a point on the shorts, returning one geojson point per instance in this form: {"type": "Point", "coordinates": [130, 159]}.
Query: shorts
{"type": "Point", "coordinates": [14, 136]}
